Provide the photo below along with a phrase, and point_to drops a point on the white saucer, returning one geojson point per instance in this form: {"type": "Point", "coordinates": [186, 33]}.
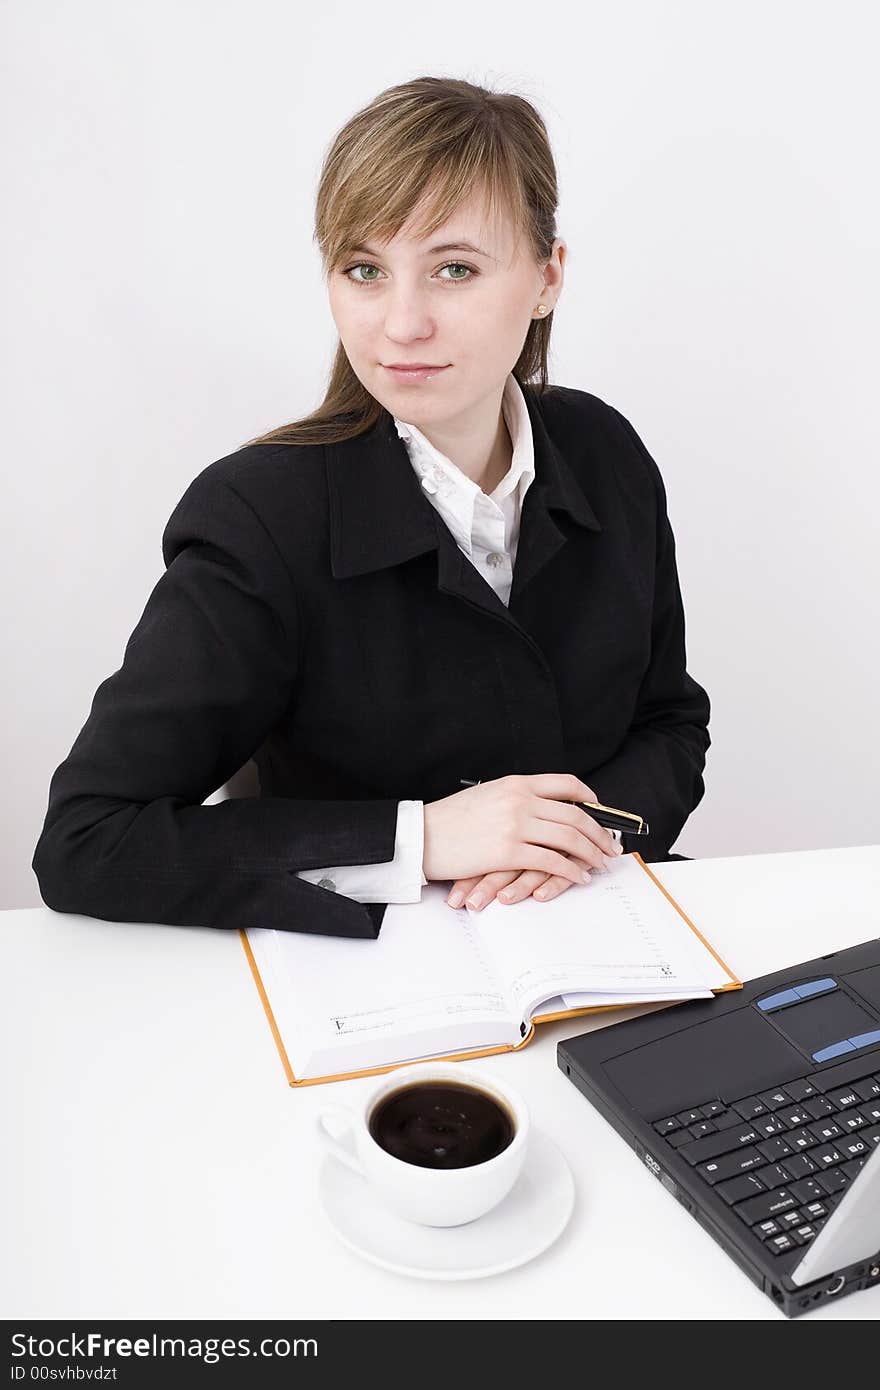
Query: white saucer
{"type": "Point", "coordinates": [530, 1218]}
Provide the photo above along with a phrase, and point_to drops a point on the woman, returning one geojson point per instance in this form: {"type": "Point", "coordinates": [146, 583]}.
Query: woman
{"type": "Point", "coordinates": [457, 573]}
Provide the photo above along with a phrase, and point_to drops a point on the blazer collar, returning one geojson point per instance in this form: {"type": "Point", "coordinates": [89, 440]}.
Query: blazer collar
{"type": "Point", "coordinates": [380, 516]}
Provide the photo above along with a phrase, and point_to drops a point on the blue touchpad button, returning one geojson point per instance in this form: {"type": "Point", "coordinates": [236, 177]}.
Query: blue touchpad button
{"type": "Point", "coordinates": [836, 1050]}
{"type": "Point", "coordinates": [814, 987]}
{"type": "Point", "coordinates": [865, 1039]}
{"type": "Point", "coordinates": [776, 1001]}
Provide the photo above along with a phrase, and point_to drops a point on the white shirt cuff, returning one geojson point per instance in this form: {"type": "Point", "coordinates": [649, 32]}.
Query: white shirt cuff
{"type": "Point", "coordinates": [397, 880]}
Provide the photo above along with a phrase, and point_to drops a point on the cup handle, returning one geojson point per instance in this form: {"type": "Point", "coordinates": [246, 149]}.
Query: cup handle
{"type": "Point", "coordinates": [344, 1151]}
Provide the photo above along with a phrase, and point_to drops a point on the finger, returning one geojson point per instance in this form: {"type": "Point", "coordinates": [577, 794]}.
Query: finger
{"type": "Point", "coordinates": [522, 886]}
{"type": "Point", "coordinates": [570, 867]}
{"type": "Point", "coordinates": [487, 887]}
{"type": "Point", "coordinates": [551, 888]}
{"type": "Point", "coordinates": [555, 834]}
{"type": "Point", "coordinates": [564, 813]}
{"type": "Point", "coordinates": [460, 889]}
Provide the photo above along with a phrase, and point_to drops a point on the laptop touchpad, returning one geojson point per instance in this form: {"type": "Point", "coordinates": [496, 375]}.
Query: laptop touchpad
{"type": "Point", "coordinates": [729, 1057]}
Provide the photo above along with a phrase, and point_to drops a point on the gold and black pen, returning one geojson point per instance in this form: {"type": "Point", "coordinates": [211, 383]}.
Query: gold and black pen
{"type": "Point", "coordinates": [609, 816]}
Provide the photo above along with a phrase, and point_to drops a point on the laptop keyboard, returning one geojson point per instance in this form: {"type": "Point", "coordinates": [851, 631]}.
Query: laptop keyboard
{"type": "Point", "coordinates": [782, 1159]}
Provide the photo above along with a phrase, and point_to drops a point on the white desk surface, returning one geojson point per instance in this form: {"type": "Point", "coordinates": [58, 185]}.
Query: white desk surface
{"type": "Point", "coordinates": [157, 1165]}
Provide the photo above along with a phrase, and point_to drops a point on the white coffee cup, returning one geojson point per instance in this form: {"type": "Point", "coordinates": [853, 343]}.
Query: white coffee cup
{"type": "Point", "coordinates": [428, 1196]}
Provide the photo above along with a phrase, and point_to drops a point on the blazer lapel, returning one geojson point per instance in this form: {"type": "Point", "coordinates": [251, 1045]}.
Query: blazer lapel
{"type": "Point", "coordinates": [379, 515]}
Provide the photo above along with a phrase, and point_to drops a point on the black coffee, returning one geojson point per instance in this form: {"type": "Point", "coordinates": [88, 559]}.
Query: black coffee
{"type": "Point", "coordinates": [441, 1124]}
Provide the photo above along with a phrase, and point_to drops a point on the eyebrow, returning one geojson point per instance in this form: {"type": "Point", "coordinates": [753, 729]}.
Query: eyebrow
{"type": "Point", "coordinates": [434, 250]}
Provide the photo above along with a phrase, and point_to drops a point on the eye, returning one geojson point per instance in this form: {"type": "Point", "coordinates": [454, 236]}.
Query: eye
{"type": "Point", "coordinates": [450, 265]}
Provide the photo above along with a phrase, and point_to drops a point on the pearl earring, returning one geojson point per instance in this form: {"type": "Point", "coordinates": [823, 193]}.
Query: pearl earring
{"type": "Point", "coordinates": [542, 309]}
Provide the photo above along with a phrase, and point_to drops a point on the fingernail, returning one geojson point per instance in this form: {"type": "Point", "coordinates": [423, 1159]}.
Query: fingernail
{"type": "Point", "coordinates": [455, 899]}
{"type": "Point", "coordinates": [476, 900]}
{"type": "Point", "coordinates": [586, 875]}
{"type": "Point", "coordinates": [505, 895]}
{"type": "Point", "coordinates": [618, 847]}
{"type": "Point", "coordinates": [540, 892]}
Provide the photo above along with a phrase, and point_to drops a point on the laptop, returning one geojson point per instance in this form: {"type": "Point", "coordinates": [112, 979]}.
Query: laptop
{"type": "Point", "coordinates": [759, 1111]}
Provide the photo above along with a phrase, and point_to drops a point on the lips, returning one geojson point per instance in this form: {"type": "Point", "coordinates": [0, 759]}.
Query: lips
{"type": "Point", "coordinates": [415, 373]}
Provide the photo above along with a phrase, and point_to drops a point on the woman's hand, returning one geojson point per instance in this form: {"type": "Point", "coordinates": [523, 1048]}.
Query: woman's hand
{"type": "Point", "coordinates": [524, 824]}
{"type": "Point", "coordinates": [509, 887]}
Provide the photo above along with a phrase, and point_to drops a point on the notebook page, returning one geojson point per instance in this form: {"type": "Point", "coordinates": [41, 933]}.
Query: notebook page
{"type": "Point", "coordinates": [422, 987]}
{"type": "Point", "coordinates": [616, 934]}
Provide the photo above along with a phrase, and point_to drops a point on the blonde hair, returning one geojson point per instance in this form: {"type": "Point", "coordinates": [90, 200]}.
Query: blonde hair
{"type": "Point", "coordinates": [437, 139]}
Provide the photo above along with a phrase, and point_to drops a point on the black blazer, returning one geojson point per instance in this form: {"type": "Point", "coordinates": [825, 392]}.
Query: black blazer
{"type": "Point", "coordinates": [317, 615]}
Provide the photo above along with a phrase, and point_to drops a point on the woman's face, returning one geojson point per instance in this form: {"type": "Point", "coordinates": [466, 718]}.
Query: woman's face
{"type": "Point", "coordinates": [439, 302]}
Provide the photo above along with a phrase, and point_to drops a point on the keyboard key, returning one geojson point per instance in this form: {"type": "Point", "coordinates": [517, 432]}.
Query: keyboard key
{"type": "Point", "coordinates": [801, 1139]}
{"type": "Point", "coordinates": [749, 1108]}
{"type": "Point", "coordinates": [680, 1137]}
{"type": "Point", "coordinates": [854, 1146]}
{"type": "Point", "coordinates": [769, 1124]}
{"type": "Point", "coordinates": [869, 1089]}
{"type": "Point", "coordinates": [834, 1180]}
{"type": "Point", "coordinates": [790, 1218]}
{"type": "Point", "coordinates": [781, 1244]}
{"type": "Point", "coordinates": [737, 1189]}
{"type": "Point", "coordinates": [826, 1155]}
{"type": "Point", "coordinates": [819, 1106]}
{"type": "Point", "coordinates": [729, 1165]}
{"type": "Point", "coordinates": [715, 1144]}
{"type": "Point", "coordinates": [729, 1119]}
{"type": "Point", "coordinates": [699, 1131]}
{"type": "Point", "coordinates": [766, 1229]}
{"type": "Point", "coordinates": [850, 1120]}
{"type": "Point", "coordinates": [765, 1205]}
{"type": "Point", "coordinates": [774, 1099]}
{"type": "Point", "coordinates": [844, 1097]}
{"type": "Point", "coordinates": [689, 1117]}
{"type": "Point", "coordinates": [826, 1130]}
{"type": "Point", "coordinates": [775, 1148]}
{"type": "Point", "coordinates": [668, 1126]}
{"type": "Point", "coordinates": [798, 1166]}
{"type": "Point", "coordinates": [803, 1234]}
{"type": "Point", "coordinates": [816, 1211]}
{"type": "Point", "coordinates": [795, 1117]}
{"type": "Point", "coordinates": [854, 1165]}
{"type": "Point", "coordinates": [871, 1110]}
{"type": "Point", "coordinates": [774, 1175]}
{"type": "Point", "coordinates": [872, 1135]}
{"type": "Point", "coordinates": [808, 1190]}
{"type": "Point", "coordinates": [802, 1089]}
{"type": "Point", "coordinates": [714, 1108]}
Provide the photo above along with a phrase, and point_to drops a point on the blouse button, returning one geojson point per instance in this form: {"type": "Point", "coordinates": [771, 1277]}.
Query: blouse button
{"type": "Point", "coordinates": [429, 485]}
{"type": "Point", "coordinates": [327, 883]}
{"type": "Point", "coordinates": [494, 558]}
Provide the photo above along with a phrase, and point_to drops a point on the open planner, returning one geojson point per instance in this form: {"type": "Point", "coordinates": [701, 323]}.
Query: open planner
{"type": "Point", "coordinates": [440, 982]}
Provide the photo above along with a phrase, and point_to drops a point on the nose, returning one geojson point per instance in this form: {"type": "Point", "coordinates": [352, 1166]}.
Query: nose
{"type": "Point", "coordinates": [408, 316]}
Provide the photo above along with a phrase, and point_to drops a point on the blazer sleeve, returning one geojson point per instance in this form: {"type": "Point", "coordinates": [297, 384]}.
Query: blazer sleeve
{"type": "Point", "coordinates": [657, 770]}
{"type": "Point", "coordinates": [209, 670]}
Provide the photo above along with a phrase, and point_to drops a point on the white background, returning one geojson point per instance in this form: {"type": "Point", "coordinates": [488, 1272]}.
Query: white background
{"type": "Point", "coordinates": [163, 304]}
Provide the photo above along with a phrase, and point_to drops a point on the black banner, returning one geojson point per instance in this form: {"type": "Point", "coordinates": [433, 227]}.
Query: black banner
{"type": "Point", "coordinates": [134, 1354]}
